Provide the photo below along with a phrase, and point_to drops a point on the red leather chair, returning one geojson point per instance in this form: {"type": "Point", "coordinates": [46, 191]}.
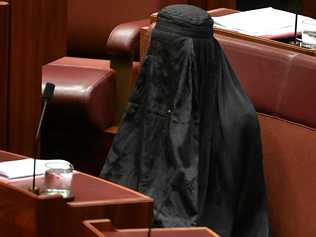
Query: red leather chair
{"type": "Point", "coordinates": [282, 87]}
{"type": "Point", "coordinates": [88, 90]}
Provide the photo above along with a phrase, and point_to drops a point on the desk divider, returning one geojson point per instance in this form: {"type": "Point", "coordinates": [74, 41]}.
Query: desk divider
{"type": "Point", "coordinates": [104, 228]}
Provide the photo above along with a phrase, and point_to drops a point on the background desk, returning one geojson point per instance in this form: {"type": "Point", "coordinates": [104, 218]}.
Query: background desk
{"type": "Point", "coordinates": [104, 228]}
{"type": "Point", "coordinates": [144, 35]}
{"type": "Point", "coordinates": [25, 214]}
{"type": "Point", "coordinates": [307, 7]}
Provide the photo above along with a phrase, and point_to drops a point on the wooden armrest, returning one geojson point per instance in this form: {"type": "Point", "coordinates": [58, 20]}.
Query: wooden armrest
{"type": "Point", "coordinates": [221, 11]}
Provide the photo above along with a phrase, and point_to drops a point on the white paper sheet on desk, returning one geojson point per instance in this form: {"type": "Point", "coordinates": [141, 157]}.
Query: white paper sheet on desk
{"type": "Point", "coordinates": [23, 168]}
{"type": "Point", "coordinates": [261, 22]}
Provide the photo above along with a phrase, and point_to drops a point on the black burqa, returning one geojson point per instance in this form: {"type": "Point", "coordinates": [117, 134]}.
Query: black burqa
{"type": "Point", "coordinates": [190, 137]}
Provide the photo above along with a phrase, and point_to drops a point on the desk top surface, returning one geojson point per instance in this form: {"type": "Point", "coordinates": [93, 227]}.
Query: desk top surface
{"type": "Point", "coordinates": [86, 188]}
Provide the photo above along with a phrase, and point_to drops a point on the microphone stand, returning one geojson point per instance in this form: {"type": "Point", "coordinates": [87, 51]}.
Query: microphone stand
{"type": "Point", "coordinates": [297, 6]}
{"type": "Point", "coordinates": [34, 189]}
{"type": "Point", "coordinates": [295, 28]}
{"type": "Point", "coordinates": [48, 93]}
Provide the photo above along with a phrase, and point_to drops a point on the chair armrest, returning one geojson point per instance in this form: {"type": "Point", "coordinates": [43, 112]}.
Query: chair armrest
{"type": "Point", "coordinates": [124, 39]}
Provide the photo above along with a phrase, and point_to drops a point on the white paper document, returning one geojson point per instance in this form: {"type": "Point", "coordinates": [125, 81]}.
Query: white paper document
{"type": "Point", "coordinates": [266, 22]}
{"type": "Point", "coordinates": [23, 168]}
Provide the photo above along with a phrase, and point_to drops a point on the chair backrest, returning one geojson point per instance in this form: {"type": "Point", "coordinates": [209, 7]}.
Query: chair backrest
{"type": "Point", "coordinates": [282, 86]}
{"type": "Point", "coordinates": [91, 22]}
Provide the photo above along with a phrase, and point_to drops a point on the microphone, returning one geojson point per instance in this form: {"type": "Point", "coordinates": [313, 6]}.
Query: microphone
{"type": "Point", "coordinates": [47, 95]}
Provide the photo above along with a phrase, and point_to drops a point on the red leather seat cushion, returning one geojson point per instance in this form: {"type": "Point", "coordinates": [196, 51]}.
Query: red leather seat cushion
{"type": "Point", "coordinates": [83, 96]}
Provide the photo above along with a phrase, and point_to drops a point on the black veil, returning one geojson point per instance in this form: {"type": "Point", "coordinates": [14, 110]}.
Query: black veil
{"type": "Point", "coordinates": [190, 137]}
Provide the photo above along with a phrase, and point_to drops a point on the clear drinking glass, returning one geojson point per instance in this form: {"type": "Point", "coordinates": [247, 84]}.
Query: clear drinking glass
{"type": "Point", "coordinates": [58, 178]}
{"type": "Point", "coordinates": [309, 33]}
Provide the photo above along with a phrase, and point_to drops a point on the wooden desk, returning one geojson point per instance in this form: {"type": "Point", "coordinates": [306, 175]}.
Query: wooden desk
{"type": "Point", "coordinates": [307, 7]}
{"type": "Point", "coordinates": [104, 228]}
{"type": "Point", "coordinates": [25, 214]}
{"type": "Point", "coordinates": [144, 35]}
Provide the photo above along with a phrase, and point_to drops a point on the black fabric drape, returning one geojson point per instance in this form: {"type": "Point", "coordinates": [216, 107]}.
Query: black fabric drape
{"type": "Point", "coordinates": [190, 137]}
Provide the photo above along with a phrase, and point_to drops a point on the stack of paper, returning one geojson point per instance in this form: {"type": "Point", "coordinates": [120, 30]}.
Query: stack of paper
{"type": "Point", "coordinates": [266, 22]}
{"type": "Point", "coordinates": [23, 168]}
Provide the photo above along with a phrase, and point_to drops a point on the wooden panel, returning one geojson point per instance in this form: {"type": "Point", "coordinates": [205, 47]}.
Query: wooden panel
{"type": "Point", "coordinates": [199, 3]}
{"type": "Point", "coordinates": [212, 4]}
{"type": "Point", "coordinates": [53, 29]}
{"type": "Point", "coordinates": [22, 213]}
{"type": "Point", "coordinates": [7, 156]}
{"type": "Point", "coordinates": [144, 41]}
{"type": "Point", "coordinates": [308, 8]}
{"type": "Point", "coordinates": [4, 63]}
{"type": "Point", "coordinates": [37, 36]}
{"type": "Point", "coordinates": [25, 74]}
{"type": "Point", "coordinates": [123, 79]}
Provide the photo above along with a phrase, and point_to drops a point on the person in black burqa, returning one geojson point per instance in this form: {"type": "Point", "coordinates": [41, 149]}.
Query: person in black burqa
{"type": "Point", "coordinates": [190, 137]}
